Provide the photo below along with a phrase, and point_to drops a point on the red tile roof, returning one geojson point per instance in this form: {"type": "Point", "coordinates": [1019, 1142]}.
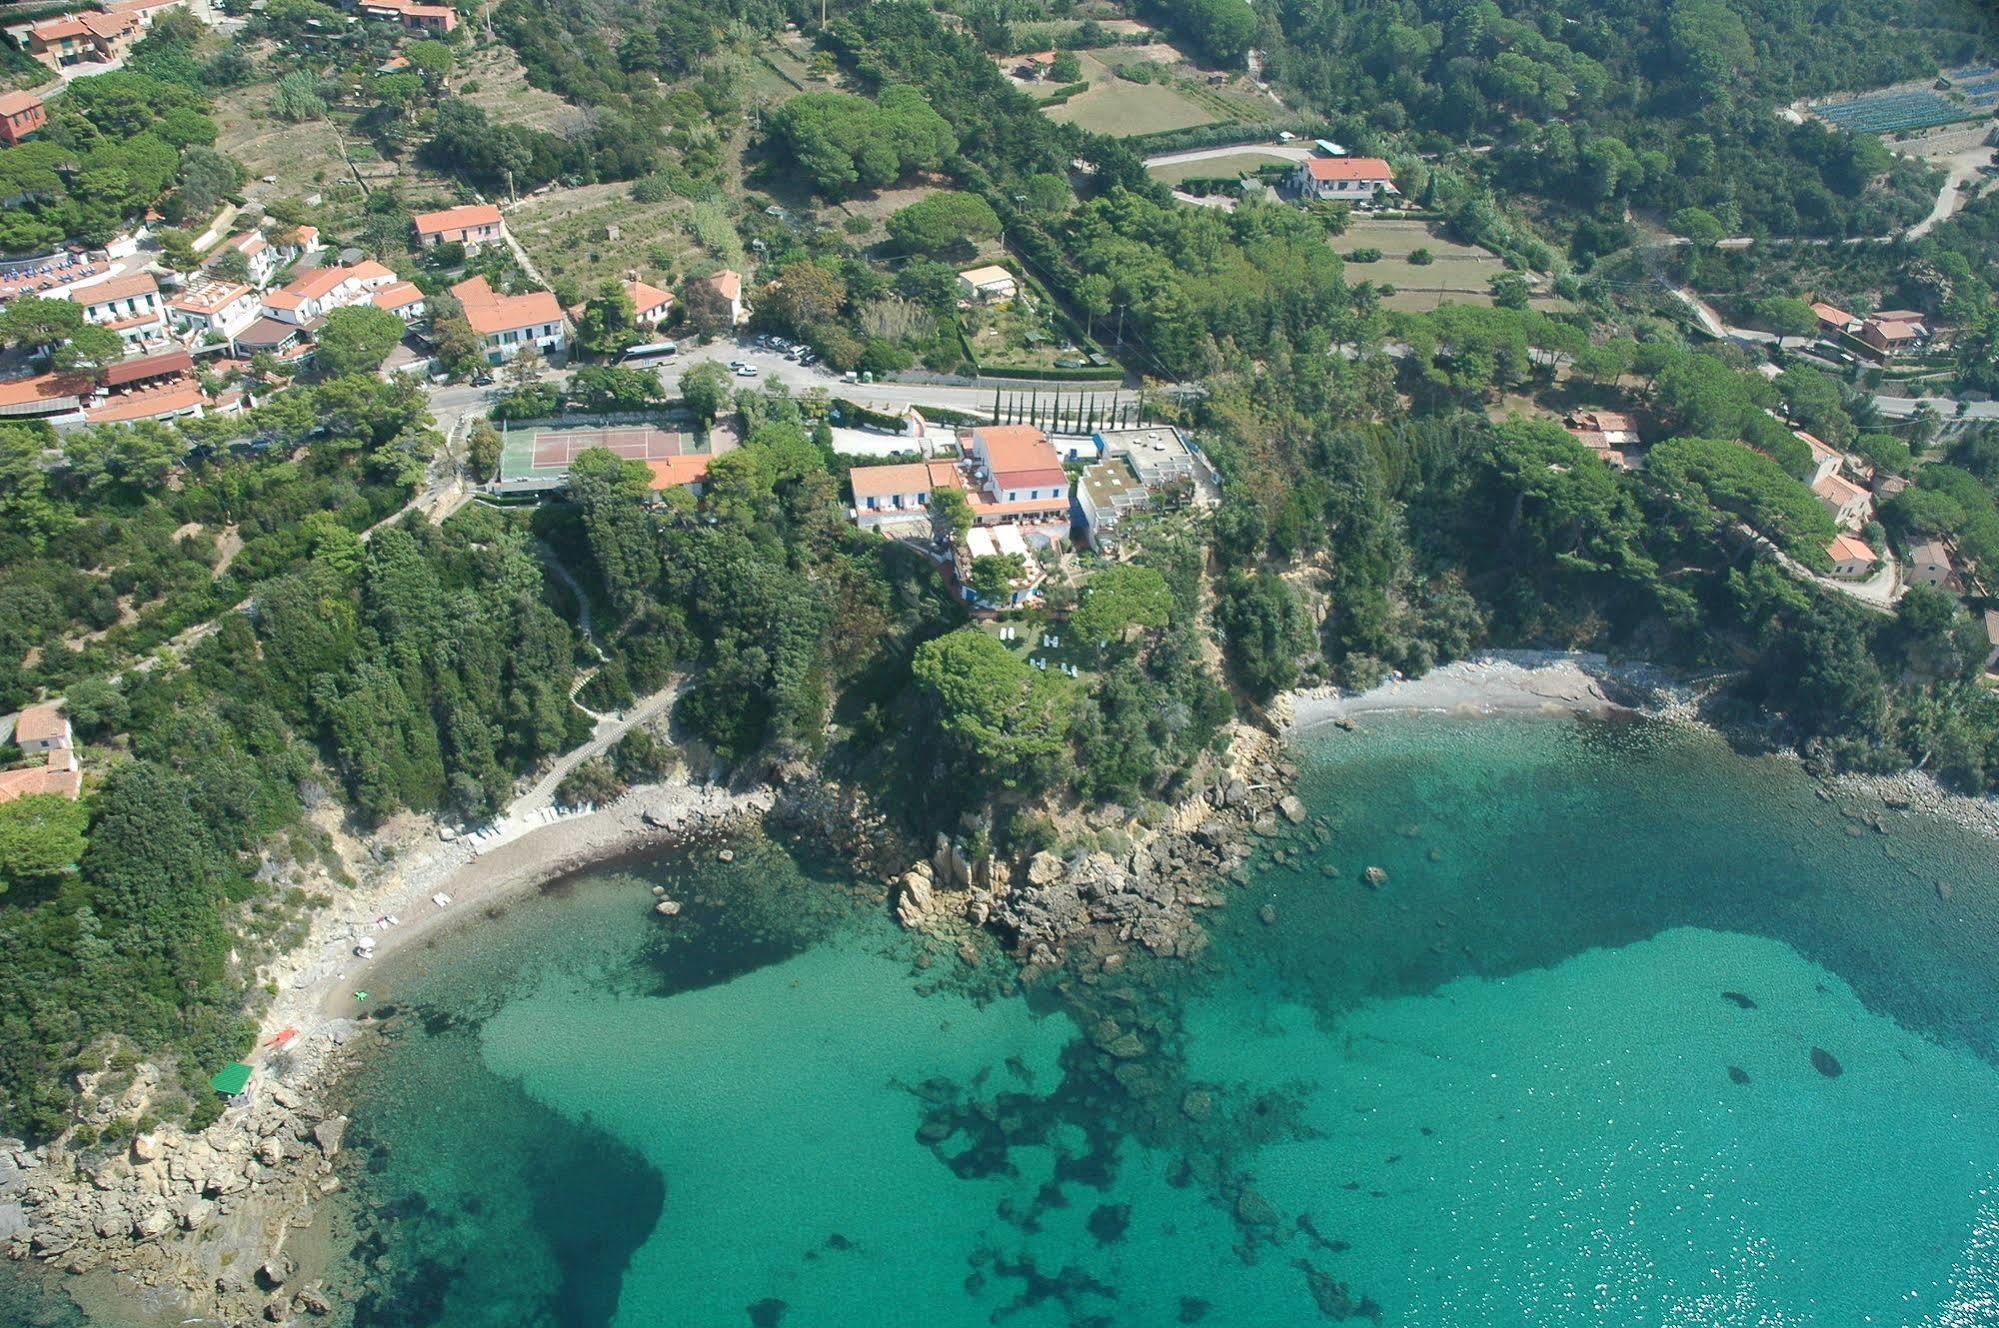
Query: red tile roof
{"type": "Point", "coordinates": [1348, 168]}
{"type": "Point", "coordinates": [128, 286]}
{"type": "Point", "coordinates": [40, 723]}
{"type": "Point", "coordinates": [13, 103]}
{"type": "Point", "coordinates": [148, 366]}
{"type": "Point", "coordinates": [465, 217]}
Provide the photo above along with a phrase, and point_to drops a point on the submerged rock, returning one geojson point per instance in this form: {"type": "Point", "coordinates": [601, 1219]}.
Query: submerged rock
{"type": "Point", "coordinates": [1738, 1000]}
{"type": "Point", "coordinates": [1737, 1075]}
{"type": "Point", "coordinates": [1826, 1063]}
{"type": "Point", "coordinates": [1376, 875]}
{"type": "Point", "coordinates": [768, 1312]}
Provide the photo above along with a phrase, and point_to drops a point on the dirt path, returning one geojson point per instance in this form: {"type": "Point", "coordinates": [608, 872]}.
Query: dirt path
{"type": "Point", "coordinates": [1961, 169]}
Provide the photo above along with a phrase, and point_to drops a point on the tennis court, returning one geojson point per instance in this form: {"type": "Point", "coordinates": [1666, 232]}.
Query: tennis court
{"type": "Point", "coordinates": [544, 451]}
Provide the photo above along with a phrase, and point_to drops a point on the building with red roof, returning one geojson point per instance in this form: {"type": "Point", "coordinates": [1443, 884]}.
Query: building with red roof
{"type": "Point", "coordinates": [21, 114]}
{"type": "Point", "coordinates": [1355, 179]}
{"type": "Point", "coordinates": [506, 323]}
{"type": "Point", "coordinates": [473, 225]}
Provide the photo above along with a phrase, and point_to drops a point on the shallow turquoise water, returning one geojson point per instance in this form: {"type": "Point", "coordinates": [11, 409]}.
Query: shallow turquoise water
{"type": "Point", "coordinates": [1637, 1031]}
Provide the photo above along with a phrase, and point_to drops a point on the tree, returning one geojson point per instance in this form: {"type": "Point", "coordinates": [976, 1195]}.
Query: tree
{"type": "Point", "coordinates": [1510, 290]}
{"type": "Point", "coordinates": [177, 251]}
{"type": "Point", "coordinates": [704, 389]}
{"type": "Point", "coordinates": [89, 349]}
{"type": "Point", "coordinates": [33, 322]}
{"type": "Point", "coordinates": [1066, 67]}
{"type": "Point", "coordinates": [482, 450]}
{"type": "Point", "coordinates": [1702, 228]}
{"type": "Point", "coordinates": [1007, 721]}
{"type": "Point", "coordinates": [1120, 598]}
{"type": "Point", "coordinates": [807, 295]}
{"type": "Point", "coordinates": [526, 367]}
{"type": "Point", "coordinates": [842, 141]}
{"type": "Point", "coordinates": [1264, 631]}
{"type": "Point", "coordinates": [944, 222]}
{"type": "Point", "coordinates": [458, 346]}
{"type": "Point", "coordinates": [609, 323]}
{"type": "Point", "coordinates": [41, 837]}
{"type": "Point", "coordinates": [356, 340]}
{"type": "Point", "coordinates": [950, 513]}
{"type": "Point", "coordinates": [1787, 317]}
{"type": "Point", "coordinates": [993, 576]}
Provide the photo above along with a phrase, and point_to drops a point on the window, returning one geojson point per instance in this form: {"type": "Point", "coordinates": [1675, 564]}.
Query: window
{"type": "Point", "coordinates": [1034, 493]}
{"type": "Point", "coordinates": [873, 504]}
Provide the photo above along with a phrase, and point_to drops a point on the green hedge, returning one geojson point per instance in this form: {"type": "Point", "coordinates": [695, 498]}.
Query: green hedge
{"type": "Point", "coordinates": [1063, 93]}
{"type": "Point", "coordinates": [1109, 373]}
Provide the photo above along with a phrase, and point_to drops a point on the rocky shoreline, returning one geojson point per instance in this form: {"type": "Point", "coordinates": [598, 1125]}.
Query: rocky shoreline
{"type": "Point", "coordinates": [201, 1220]}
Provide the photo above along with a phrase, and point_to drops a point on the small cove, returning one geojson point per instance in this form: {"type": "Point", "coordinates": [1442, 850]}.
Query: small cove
{"type": "Point", "coordinates": [1635, 1030]}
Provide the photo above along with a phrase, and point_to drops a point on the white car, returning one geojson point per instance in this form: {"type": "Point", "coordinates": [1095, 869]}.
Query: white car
{"type": "Point", "coordinates": [746, 371]}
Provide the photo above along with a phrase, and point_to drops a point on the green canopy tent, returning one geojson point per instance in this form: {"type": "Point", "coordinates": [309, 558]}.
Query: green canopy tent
{"type": "Point", "coordinates": [231, 1079]}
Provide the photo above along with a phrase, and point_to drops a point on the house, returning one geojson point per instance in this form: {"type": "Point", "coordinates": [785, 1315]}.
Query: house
{"type": "Point", "coordinates": [1354, 179]}
{"type": "Point", "coordinates": [1018, 476]}
{"type": "Point", "coordinates": [900, 493]}
{"type": "Point", "coordinates": [506, 323]}
{"type": "Point", "coordinates": [1613, 436]}
{"type": "Point", "coordinates": [1930, 565]}
{"type": "Point", "coordinates": [1833, 320]}
{"type": "Point", "coordinates": [265, 256]}
{"type": "Point", "coordinates": [1852, 558]}
{"type": "Point", "coordinates": [218, 308]}
{"type": "Point", "coordinates": [727, 287]}
{"type": "Point", "coordinates": [413, 16]}
{"type": "Point", "coordinates": [319, 292]}
{"type": "Point", "coordinates": [473, 225]}
{"type": "Point", "coordinates": [271, 336]}
{"type": "Point", "coordinates": [21, 114]}
{"type": "Point", "coordinates": [1849, 505]}
{"type": "Point", "coordinates": [1825, 460]}
{"type": "Point", "coordinates": [129, 305]}
{"type": "Point", "coordinates": [402, 299]}
{"type": "Point", "coordinates": [1105, 494]}
{"type": "Point", "coordinates": [987, 284]}
{"type": "Point", "coordinates": [1141, 468]}
{"type": "Point", "coordinates": [650, 304]}
{"type": "Point", "coordinates": [1032, 66]}
{"type": "Point", "coordinates": [40, 729]}
{"type": "Point", "coordinates": [168, 401]}
{"type": "Point", "coordinates": [1894, 332]}
{"type": "Point", "coordinates": [86, 37]}
{"type": "Point", "coordinates": [59, 776]}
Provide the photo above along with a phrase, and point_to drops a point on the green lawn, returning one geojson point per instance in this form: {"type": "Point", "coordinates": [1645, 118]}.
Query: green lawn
{"type": "Point", "coordinates": [1235, 163]}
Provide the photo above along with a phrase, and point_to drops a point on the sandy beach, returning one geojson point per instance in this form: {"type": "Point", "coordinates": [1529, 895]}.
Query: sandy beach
{"type": "Point", "coordinates": [1494, 683]}
{"type": "Point", "coordinates": [318, 981]}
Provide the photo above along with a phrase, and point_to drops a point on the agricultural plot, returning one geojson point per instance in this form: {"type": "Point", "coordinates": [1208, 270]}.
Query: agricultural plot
{"type": "Point", "coordinates": [493, 77]}
{"type": "Point", "coordinates": [1891, 112]}
{"type": "Point", "coordinates": [301, 160]}
{"type": "Point", "coordinates": [1122, 108]}
{"type": "Point", "coordinates": [567, 233]}
{"type": "Point", "coordinates": [1457, 273]}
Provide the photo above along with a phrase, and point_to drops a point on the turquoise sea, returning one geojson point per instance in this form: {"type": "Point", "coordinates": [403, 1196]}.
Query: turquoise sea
{"type": "Point", "coordinates": [1636, 1031]}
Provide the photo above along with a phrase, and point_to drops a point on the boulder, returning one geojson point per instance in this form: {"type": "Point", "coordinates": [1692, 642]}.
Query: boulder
{"type": "Point", "coordinates": [1044, 869]}
{"type": "Point", "coordinates": [1253, 1210]}
{"type": "Point", "coordinates": [1293, 809]}
{"type": "Point", "coordinates": [917, 894]}
{"type": "Point", "coordinates": [274, 1273]}
{"type": "Point", "coordinates": [270, 1151]}
{"type": "Point", "coordinates": [667, 908]}
{"type": "Point", "coordinates": [197, 1215]}
{"type": "Point", "coordinates": [154, 1223]}
{"type": "Point", "coordinates": [329, 1133]}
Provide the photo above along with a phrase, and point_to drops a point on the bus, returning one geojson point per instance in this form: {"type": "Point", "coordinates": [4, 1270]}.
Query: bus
{"type": "Point", "coordinates": [657, 350]}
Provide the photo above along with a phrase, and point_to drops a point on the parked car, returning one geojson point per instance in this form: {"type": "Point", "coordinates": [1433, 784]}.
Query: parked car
{"type": "Point", "coordinates": [746, 371]}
